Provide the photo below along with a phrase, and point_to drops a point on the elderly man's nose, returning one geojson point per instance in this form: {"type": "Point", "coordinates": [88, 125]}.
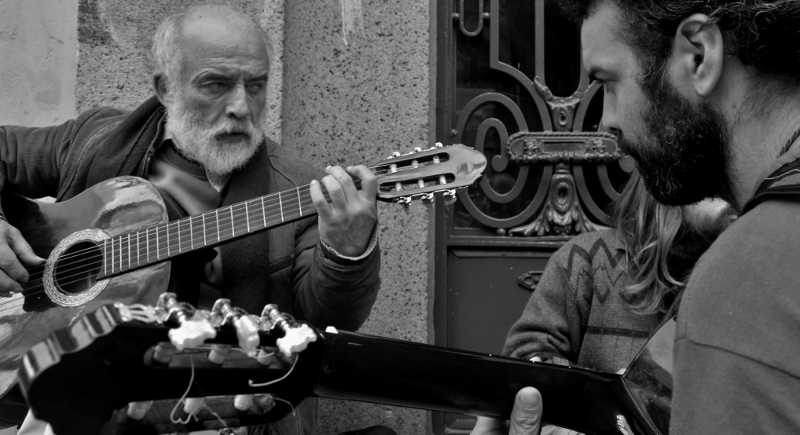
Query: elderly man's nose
{"type": "Point", "coordinates": [237, 103]}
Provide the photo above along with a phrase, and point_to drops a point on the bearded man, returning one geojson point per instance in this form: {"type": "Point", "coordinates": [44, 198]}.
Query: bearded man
{"type": "Point", "coordinates": [705, 95]}
{"type": "Point", "coordinates": [201, 141]}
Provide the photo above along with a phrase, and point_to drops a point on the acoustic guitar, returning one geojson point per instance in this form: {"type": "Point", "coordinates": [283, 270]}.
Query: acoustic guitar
{"type": "Point", "coordinates": [99, 375]}
{"type": "Point", "coordinates": [113, 241]}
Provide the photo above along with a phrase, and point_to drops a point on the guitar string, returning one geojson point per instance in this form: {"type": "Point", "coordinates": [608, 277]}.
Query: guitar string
{"type": "Point", "coordinates": [86, 268]}
{"type": "Point", "coordinates": [183, 231]}
{"type": "Point", "coordinates": [235, 208]}
{"type": "Point", "coordinates": [188, 221]}
{"type": "Point", "coordinates": [63, 279]}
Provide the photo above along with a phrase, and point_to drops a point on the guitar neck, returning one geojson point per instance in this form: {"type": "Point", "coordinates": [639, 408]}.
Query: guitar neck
{"type": "Point", "coordinates": [402, 177]}
{"type": "Point", "coordinates": [394, 372]}
{"type": "Point", "coordinates": [158, 243]}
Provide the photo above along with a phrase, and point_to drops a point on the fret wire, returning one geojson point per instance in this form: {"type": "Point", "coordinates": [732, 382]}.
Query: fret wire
{"type": "Point", "coordinates": [147, 243]}
{"type": "Point", "coordinates": [191, 235]}
{"type": "Point", "coordinates": [137, 249]}
{"type": "Point", "coordinates": [129, 250]}
{"type": "Point", "coordinates": [105, 256]}
{"type": "Point", "coordinates": [178, 224]}
{"type": "Point", "coordinates": [158, 248]}
{"type": "Point", "coordinates": [299, 203]}
{"type": "Point", "coordinates": [247, 216]}
{"type": "Point", "coordinates": [233, 230]}
{"type": "Point", "coordinates": [263, 212]}
{"type": "Point", "coordinates": [280, 205]}
{"type": "Point", "coordinates": [204, 229]}
{"type": "Point", "coordinates": [120, 254]}
{"type": "Point", "coordinates": [216, 213]}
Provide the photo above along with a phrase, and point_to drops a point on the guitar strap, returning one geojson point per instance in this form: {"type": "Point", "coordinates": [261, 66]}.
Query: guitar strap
{"type": "Point", "coordinates": [783, 184]}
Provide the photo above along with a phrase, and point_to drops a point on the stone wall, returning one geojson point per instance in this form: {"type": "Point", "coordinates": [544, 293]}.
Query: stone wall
{"type": "Point", "coordinates": [356, 84]}
{"type": "Point", "coordinates": [38, 45]}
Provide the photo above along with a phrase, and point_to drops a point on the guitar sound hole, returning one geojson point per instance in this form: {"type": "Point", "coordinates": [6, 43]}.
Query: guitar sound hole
{"type": "Point", "coordinates": [77, 268]}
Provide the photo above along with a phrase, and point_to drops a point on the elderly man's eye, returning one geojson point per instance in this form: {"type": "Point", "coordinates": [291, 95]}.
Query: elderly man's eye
{"type": "Point", "coordinates": [256, 87]}
{"type": "Point", "coordinates": [214, 86]}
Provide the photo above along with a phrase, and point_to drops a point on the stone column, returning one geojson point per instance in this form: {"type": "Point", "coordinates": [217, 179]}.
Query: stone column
{"type": "Point", "coordinates": [356, 87]}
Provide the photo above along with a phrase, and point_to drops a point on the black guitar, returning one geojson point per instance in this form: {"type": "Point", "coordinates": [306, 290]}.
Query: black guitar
{"type": "Point", "coordinates": [82, 378]}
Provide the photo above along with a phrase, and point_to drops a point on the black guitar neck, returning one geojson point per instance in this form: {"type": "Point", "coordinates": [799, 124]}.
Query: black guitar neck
{"type": "Point", "coordinates": [399, 373]}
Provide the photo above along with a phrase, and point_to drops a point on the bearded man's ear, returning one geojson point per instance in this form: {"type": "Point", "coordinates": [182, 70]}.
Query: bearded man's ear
{"type": "Point", "coordinates": [698, 55]}
{"type": "Point", "coordinates": [160, 88]}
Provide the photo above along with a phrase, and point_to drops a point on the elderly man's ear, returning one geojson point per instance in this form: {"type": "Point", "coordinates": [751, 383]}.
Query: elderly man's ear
{"type": "Point", "coordinates": [160, 88]}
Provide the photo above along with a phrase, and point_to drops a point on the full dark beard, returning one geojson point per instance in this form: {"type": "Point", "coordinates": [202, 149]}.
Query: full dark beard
{"type": "Point", "coordinates": [684, 158]}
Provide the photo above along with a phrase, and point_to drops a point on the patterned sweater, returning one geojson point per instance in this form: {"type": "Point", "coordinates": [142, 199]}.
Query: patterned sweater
{"type": "Point", "coordinates": [576, 314]}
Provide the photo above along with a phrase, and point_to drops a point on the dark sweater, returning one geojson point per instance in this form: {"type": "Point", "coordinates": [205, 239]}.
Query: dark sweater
{"type": "Point", "coordinates": [577, 315]}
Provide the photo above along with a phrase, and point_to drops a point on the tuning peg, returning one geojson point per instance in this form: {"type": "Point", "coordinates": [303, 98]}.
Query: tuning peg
{"type": "Point", "coordinates": [417, 149]}
{"type": "Point", "coordinates": [427, 198]}
{"type": "Point", "coordinates": [246, 329]}
{"type": "Point", "coordinates": [174, 310]}
{"type": "Point", "coordinates": [404, 201]}
{"type": "Point", "coordinates": [439, 145]}
{"type": "Point", "coordinates": [449, 196]}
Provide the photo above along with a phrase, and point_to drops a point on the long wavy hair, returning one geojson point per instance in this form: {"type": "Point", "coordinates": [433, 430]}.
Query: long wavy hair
{"type": "Point", "coordinates": [649, 231]}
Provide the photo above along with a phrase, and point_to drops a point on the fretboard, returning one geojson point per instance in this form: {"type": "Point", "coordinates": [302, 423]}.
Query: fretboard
{"type": "Point", "coordinates": [159, 243]}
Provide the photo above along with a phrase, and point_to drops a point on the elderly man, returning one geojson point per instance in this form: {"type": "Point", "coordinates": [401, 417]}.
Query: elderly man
{"type": "Point", "coordinates": [201, 141]}
{"type": "Point", "coordinates": [705, 95]}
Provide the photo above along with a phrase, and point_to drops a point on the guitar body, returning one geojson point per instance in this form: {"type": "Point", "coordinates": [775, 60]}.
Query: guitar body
{"type": "Point", "coordinates": [111, 208]}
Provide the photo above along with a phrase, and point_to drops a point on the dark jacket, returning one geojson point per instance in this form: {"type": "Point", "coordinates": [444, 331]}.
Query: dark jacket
{"type": "Point", "coordinates": [284, 265]}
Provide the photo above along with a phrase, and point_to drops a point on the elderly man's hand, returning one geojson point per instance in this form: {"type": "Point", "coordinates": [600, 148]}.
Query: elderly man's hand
{"type": "Point", "coordinates": [347, 222]}
{"type": "Point", "coordinates": [14, 253]}
{"type": "Point", "coordinates": [526, 417]}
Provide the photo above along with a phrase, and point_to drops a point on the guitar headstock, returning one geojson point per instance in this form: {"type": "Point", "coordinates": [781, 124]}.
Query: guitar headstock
{"type": "Point", "coordinates": [422, 173]}
{"type": "Point", "coordinates": [100, 374]}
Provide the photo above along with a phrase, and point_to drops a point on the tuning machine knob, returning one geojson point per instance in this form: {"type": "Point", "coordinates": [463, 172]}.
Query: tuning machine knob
{"type": "Point", "coordinates": [404, 201]}
{"type": "Point", "coordinates": [296, 336]}
{"type": "Point", "coordinates": [427, 198]}
{"type": "Point", "coordinates": [246, 328]}
{"type": "Point", "coordinates": [449, 196]}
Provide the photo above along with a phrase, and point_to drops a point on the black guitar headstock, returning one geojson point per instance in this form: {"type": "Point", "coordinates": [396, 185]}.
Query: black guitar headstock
{"type": "Point", "coordinates": [108, 366]}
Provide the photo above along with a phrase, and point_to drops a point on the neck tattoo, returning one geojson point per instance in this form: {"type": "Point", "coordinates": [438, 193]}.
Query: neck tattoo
{"type": "Point", "coordinates": [789, 142]}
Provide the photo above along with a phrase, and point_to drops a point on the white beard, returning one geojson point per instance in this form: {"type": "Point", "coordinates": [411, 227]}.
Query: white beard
{"type": "Point", "coordinates": [198, 141]}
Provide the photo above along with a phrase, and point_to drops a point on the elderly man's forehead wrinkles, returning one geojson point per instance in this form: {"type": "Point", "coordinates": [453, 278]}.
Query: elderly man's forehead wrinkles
{"type": "Point", "coordinates": [227, 71]}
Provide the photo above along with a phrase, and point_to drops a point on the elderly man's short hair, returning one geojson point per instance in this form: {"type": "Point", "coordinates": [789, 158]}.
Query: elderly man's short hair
{"type": "Point", "coordinates": [166, 55]}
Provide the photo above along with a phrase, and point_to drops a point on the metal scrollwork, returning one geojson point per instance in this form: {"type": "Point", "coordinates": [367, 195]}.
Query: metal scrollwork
{"type": "Point", "coordinates": [541, 183]}
{"type": "Point", "coordinates": [460, 18]}
{"type": "Point", "coordinates": [545, 147]}
{"type": "Point", "coordinates": [562, 213]}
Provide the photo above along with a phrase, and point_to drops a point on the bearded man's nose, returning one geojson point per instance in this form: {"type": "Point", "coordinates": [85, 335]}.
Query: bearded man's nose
{"type": "Point", "coordinates": [238, 106]}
